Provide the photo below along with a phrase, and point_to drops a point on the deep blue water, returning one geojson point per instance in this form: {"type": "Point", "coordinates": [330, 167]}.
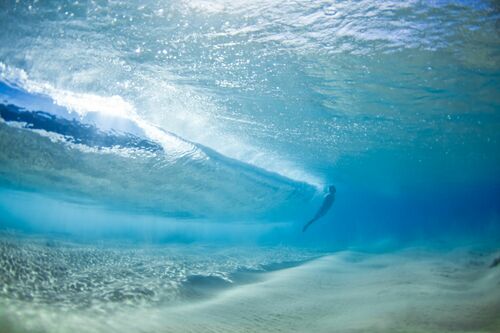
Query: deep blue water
{"type": "Point", "coordinates": [241, 113]}
{"type": "Point", "coordinates": [155, 152]}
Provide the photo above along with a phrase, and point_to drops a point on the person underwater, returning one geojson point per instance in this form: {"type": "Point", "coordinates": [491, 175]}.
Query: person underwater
{"type": "Point", "coordinates": [325, 207]}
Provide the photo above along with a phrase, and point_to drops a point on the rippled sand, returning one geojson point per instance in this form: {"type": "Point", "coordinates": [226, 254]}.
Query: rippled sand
{"type": "Point", "coordinates": [406, 291]}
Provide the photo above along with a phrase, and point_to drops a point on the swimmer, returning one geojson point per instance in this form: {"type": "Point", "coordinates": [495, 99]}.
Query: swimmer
{"type": "Point", "coordinates": [325, 207]}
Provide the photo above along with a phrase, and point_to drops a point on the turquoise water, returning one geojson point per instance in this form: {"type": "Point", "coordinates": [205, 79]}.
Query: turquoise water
{"type": "Point", "coordinates": [210, 131]}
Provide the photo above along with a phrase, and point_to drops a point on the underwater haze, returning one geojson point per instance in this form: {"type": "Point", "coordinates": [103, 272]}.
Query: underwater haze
{"type": "Point", "coordinates": [159, 160]}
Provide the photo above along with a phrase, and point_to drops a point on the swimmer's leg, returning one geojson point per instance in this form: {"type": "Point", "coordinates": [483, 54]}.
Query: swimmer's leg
{"type": "Point", "coordinates": [308, 224]}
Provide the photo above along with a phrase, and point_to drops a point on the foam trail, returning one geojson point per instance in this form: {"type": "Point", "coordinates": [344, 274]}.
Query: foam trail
{"type": "Point", "coordinates": [113, 113]}
{"type": "Point", "coordinates": [170, 168]}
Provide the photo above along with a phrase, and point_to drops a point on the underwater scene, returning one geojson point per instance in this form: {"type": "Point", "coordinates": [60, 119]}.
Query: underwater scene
{"type": "Point", "coordinates": [249, 166]}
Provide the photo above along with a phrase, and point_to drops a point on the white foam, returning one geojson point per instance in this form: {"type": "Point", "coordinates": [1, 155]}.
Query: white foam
{"type": "Point", "coordinates": [116, 113]}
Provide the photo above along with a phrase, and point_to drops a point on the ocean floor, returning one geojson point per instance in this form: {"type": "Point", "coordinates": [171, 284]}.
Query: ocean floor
{"type": "Point", "coordinates": [52, 286]}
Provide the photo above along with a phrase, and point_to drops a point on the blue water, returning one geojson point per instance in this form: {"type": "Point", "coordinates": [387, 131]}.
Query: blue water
{"type": "Point", "coordinates": [222, 123]}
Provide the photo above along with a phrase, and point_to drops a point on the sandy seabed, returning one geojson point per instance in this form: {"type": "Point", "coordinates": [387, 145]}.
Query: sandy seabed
{"type": "Point", "coordinates": [411, 290]}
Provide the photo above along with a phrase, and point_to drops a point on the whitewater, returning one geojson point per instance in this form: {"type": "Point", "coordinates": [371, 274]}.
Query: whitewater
{"type": "Point", "coordinates": [159, 160]}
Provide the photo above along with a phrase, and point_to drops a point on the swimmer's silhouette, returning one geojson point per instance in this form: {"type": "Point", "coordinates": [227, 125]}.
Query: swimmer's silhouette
{"type": "Point", "coordinates": [327, 203]}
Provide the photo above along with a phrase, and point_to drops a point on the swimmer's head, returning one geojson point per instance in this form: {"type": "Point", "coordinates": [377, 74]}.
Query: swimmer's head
{"type": "Point", "coordinates": [332, 189]}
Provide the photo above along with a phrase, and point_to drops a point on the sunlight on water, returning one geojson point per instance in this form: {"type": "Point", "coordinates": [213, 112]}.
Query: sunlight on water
{"type": "Point", "coordinates": [159, 160]}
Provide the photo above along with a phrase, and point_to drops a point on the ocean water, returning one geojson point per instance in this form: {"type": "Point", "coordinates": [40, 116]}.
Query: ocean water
{"type": "Point", "coordinates": [159, 159]}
